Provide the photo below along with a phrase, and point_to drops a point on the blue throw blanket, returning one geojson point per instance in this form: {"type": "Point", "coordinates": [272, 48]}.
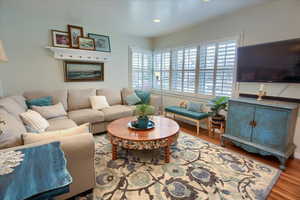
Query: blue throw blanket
{"type": "Point", "coordinates": [43, 169]}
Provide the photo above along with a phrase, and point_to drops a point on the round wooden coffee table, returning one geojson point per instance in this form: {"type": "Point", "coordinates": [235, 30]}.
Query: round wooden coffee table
{"type": "Point", "coordinates": [163, 135]}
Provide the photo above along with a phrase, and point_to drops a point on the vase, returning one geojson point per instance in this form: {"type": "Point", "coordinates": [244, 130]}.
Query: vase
{"type": "Point", "coordinates": [143, 122]}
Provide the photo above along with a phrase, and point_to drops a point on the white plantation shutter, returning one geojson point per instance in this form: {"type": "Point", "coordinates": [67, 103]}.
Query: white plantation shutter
{"type": "Point", "coordinates": [206, 69]}
{"type": "Point", "coordinates": [216, 68]}
{"type": "Point", "coordinates": [226, 62]}
{"type": "Point", "coordinates": [189, 70]}
{"type": "Point", "coordinates": [141, 69]}
{"type": "Point", "coordinates": [161, 70]}
{"type": "Point", "coordinates": [157, 71]}
{"type": "Point", "coordinates": [165, 70]}
{"type": "Point", "coordinates": [177, 70]}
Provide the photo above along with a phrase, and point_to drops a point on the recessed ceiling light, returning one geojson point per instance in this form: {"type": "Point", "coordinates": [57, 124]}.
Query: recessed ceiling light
{"type": "Point", "coordinates": [156, 20]}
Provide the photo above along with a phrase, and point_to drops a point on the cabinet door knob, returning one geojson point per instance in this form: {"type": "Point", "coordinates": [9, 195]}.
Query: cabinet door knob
{"type": "Point", "coordinates": [251, 123]}
{"type": "Point", "coordinates": [254, 123]}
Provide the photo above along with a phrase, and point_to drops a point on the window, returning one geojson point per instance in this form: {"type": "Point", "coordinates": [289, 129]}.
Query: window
{"type": "Point", "coordinates": [183, 70]}
{"type": "Point", "coordinates": [141, 69]}
{"type": "Point", "coordinates": [206, 69]}
{"type": "Point", "coordinates": [216, 70]}
{"type": "Point", "coordinates": [161, 70]}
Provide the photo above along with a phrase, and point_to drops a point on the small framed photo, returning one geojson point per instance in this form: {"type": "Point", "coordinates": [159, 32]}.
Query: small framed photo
{"type": "Point", "coordinates": [86, 43]}
{"type": "Point", "coordinates": [102, 42]}
{"type": "Point", "coordinates": [74, 33]}
{"type": "Point", "coordinates": [83, 71]}
{"type": "Point", "coordinates": [60, 39]}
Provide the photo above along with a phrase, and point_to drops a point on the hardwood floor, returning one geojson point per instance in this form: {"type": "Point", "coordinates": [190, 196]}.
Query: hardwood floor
{"type": "Point", "coordinates": [288, 185]}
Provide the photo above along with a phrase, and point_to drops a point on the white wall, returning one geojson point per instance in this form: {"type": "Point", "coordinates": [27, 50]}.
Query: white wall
{"type": "Point", "coordinates": [274, 21]}
{"type": "Point", "coordinates": [25, 29]}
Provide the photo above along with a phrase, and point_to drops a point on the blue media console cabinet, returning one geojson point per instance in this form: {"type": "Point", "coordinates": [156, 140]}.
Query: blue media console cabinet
{"type": "Point", "coordinates": [264, 127]}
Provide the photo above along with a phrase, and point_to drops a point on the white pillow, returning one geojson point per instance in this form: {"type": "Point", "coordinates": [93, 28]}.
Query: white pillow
{"type": "Point", "coordinates": [34, 120]}
{"type": "Point", "coordinates": [98, 102]}
{"type": "Point", "coordinates": [29, 138]}
{"type": "Point", "coordinates": [52, 111]}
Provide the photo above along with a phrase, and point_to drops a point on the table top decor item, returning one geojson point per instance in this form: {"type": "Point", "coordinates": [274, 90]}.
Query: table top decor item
{"type": "Point", "coordinates": [143, 112]}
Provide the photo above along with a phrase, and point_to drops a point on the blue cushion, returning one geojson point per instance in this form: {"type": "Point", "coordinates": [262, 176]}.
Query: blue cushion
{"type": "Point", "coordinates": [143, 95]}
{"type": "Point", "coordinates": [44, 101]}
{"type": "Point", "coordinates": [133, 99]}
{"type": "Point", "coordinates": [194, 106]}
{"type": "Point", "coordinates": [182, 111]}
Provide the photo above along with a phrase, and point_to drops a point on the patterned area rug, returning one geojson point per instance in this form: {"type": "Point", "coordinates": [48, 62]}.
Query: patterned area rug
{"type": "Point", "coordinates": [198, 170]}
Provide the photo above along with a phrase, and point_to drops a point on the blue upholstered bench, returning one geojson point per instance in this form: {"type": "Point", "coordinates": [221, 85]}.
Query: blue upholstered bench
{"type": "Point", "coordinates": [196, 117]}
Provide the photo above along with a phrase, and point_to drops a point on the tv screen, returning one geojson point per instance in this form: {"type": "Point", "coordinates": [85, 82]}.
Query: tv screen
{"type": "Point", "coordinates": [272, 62]}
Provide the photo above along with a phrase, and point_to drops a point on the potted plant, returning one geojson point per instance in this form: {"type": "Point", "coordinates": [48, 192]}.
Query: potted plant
{"type": "Point", "coordinates": [143, 111]}
{"type": "Point", "coordinates": [216, 105]}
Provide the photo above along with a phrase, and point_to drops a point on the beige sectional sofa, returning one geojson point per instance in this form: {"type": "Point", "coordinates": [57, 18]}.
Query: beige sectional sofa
{"type": "Point", "coordinates": [79, 149]}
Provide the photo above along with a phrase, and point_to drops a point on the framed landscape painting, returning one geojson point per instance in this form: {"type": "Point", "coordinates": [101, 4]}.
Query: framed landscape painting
{"type": "Point", "coordinates": [102, 42]}
{"type": "Point", "coordinates": [81, 71]}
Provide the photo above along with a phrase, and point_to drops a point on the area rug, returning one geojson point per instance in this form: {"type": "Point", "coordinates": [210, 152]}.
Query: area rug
{"type": "Point", "coordinates": [198, 170]}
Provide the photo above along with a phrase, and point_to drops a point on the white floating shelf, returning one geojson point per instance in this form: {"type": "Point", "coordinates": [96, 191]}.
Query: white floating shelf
{"type": "Point", "coordinates": [79, 55]}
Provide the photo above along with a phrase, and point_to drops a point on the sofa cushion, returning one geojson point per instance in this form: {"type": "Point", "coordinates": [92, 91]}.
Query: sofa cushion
{"type": "Point", "coordinates": [12, 107]}
{"type": "Point", "coordinates": [143, 95]}
{"type": "Point", "coordinates": [60, 123]}
{"type": "Point", "coordinates": [43, 101]}
{"type": "Point", "coordinates": [57, 96]}
{"type": "Point", "coordinates": [35, 121]}
{"type": "Point", "coordinates": [86, 116]}
{"type": "Point", "coordinates": [124, 93]}
{"type": "Point", "coordinates": [49, 112]}
{"type": "Point", "coordinates": [12, 130]}
{"type": "Point", "coordinates": [133, 99]}
{"type": "Point", "coordinates": [79, 98]}
{"type": "Point", "coordinates": [116, 112]}
{"type": "Point", "coordinates": [99, 102]}
{"type": "Point", "coordinates": [29, 138]}
{"type": "Point", "coordinates": [113, 97]}
{"type": "Point", "coordinates": [20, 100]}
{"type": "Point", "coordinates": [184, 112]}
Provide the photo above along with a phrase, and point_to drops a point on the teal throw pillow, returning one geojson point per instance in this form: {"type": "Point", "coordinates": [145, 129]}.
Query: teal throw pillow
{"type": "Point", "coordinates": [43, 101]}
{"type": "Point", "coordinates": [143, 95]}
{"type": "Point", "coordinates": [194, 106]}
{"type": "Point", "coordinates": [132, 99]}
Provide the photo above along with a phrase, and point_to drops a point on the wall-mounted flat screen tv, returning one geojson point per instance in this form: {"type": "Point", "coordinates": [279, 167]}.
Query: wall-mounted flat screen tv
{"type": "Point", "coordinates": [271, 62]}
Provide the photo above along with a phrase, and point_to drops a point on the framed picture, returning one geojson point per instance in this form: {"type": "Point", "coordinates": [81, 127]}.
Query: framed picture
{"type": "Point", "coordinates": [86, 43]}
{"type": "Point", "coordinates": [81, 71]}
{"type": "Point", "coordinates": [102, 42]}
{"type": "Point", "coordinates": [60, 38]}
{"type": "Point", "coordinates": [74, 33]}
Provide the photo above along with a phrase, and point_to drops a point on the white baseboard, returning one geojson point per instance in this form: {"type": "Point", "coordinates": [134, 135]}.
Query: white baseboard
{"type": "Point", "coordinates": [297, 155]}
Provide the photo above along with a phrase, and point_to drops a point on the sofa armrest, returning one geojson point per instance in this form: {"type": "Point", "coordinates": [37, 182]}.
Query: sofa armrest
{"type": "Point", "coordinates": [155, 100]}
{"type": "Point", "coordinates": [79, 151]}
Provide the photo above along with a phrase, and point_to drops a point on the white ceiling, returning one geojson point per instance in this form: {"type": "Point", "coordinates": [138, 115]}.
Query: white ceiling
{"type": "Point", "coordinates": [136, 16]}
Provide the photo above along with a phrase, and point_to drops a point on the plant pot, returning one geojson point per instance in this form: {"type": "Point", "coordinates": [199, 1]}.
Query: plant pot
{"type": "Point", "coordinates": [143, 122]}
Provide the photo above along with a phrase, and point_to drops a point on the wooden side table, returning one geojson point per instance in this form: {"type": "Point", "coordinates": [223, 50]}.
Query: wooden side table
{"type": "Point", "coordinates": [217, 124]}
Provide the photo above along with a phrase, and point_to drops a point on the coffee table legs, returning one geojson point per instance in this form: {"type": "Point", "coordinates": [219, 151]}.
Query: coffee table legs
{"type": "Point", "coordinates": [114, 152]}
{"type": "Point", "coordinates": [167, 154]}
{"type": "Point", "coordinates": [166, 150]}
